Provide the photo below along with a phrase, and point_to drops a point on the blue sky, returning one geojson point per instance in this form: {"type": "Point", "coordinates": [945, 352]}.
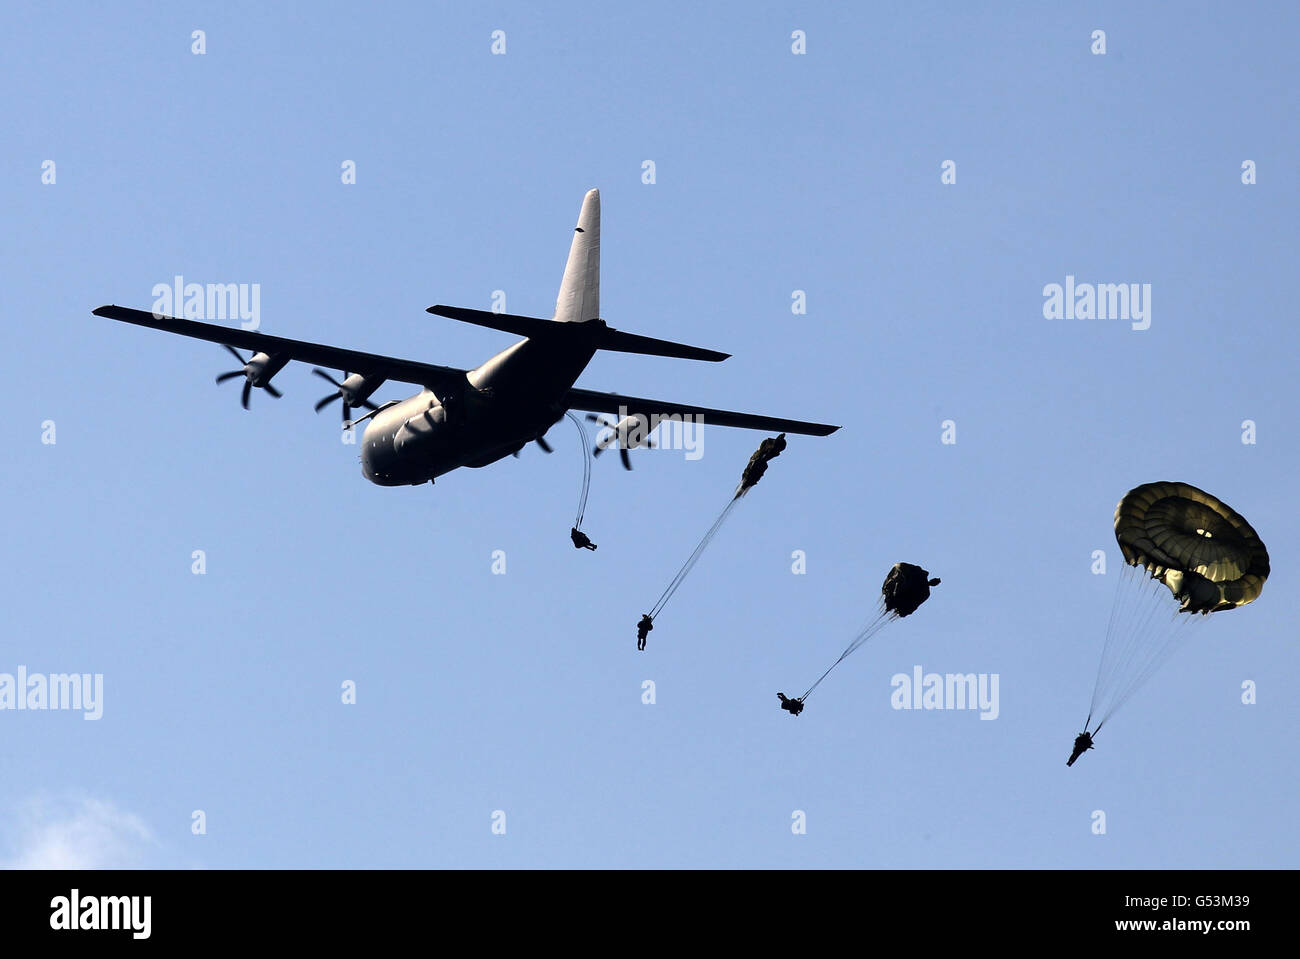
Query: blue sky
{"type": "Point", "coordinates": [523, 692]}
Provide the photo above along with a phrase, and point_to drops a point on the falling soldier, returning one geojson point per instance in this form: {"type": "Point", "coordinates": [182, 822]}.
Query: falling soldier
{"type": "Point", "coordinates": [793, 706]}
{"type": "Point", "coordinates": [1082, 743]}
{"type": "Point", "coordinates": [643, 630]}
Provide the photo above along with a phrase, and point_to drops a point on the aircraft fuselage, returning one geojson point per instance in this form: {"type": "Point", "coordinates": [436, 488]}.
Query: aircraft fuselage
{"type": "Point", "coordinates": [512, 399]}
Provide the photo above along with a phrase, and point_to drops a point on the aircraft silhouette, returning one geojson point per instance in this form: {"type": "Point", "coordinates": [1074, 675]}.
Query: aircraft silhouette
{"type": "Point", "coordinates": [475, 417]}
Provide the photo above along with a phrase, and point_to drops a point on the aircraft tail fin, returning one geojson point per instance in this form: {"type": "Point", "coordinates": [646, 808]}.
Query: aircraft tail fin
{"type": "Point", "coordinates": [579, 299]}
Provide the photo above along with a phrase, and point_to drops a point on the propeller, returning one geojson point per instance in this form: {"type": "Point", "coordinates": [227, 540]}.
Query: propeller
{"type": "Point", "coordinates": [341, 392]}
{"type": "Point", "coordinates": [540, 441]}
{"type": "Point", "coordinates": [254, 372]}
{"type": "Point", "coordinates": [618, 430]}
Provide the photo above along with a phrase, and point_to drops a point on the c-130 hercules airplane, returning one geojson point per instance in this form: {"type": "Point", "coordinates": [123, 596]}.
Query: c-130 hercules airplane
{"type": "Point", "coordinates": [475, 417]}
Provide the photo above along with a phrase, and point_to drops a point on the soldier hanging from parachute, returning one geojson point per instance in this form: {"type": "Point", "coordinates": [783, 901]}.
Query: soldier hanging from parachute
{"type": "Point", "coordinates": [905, 588]}
{"type": "Point", "coordinates": [767, 451]}
{"type": "Point", "coordinates": [579, 538]}
{"type": "Point", "coordinates": [1188, 544]}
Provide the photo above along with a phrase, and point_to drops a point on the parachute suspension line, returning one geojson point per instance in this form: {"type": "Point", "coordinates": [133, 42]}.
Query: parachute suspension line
{"type": "Point", "coordinates": [1168, 641]}
{"type": "Point", "coordinates": [1121, 643]}
{"type": "Point", "coordinates": [1120, 580]}
{"type": "Point", "coordinates": [693, 558]}
{"type": "Point", "coordinates": [1139, 641]}
{"type": "Point", "coordinates": [1112, 650]}
{"type": "Point", "coordinates": [1134, 594]}
{"type": "Point", "coordinates": [1152, 601]}
{"type": "Point", "coordinates": [586, 471]}
{"type": "Point", "coordinates": [883, 618]}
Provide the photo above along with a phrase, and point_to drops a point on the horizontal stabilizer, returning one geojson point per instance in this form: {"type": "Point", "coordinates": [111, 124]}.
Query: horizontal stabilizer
{"type": "Point", "coordinates": [621, 342]}
{"type": "Point", "coordinates": [606, 338]}
{"type": "Point", "coordinates": [505, 322]}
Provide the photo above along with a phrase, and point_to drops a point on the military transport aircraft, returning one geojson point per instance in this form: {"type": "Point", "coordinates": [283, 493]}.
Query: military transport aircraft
{"type": "Point", "coordinates": [474, 417]}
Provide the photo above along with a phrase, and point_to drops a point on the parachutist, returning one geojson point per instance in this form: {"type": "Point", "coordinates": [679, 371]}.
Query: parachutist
{"type": "Point", "coordinates": [793, 706]}
{"type": "Point", "coordinates": [1082, 743]}
{"type": "Point", "coordinates": [643, 630]}
{"type": "Point", "coordinates": [580, 539]}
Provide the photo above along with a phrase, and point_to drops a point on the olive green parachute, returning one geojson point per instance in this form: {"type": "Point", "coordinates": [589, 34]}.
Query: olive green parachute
{"type": "Point", "coordinates": [1209, 557]}
{"type": "Point", "coordinates": [906, 588]}
{"type": "Point", "coordinates": [1176, 539]}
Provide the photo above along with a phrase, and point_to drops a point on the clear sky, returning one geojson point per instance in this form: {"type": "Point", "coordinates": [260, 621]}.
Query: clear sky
{"type": "Point", "coordinates": [522, 692]}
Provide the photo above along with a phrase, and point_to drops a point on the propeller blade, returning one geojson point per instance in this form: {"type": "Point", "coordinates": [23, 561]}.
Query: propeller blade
{"type": "Point", "coordinates": [229, 376]}
{"type": "Point", "coordinates": [235, 352]}
{"type": "Point", "coordinates": [370, 406]}
{"type": "Point", "coordinates": [347, 411]}
{"type": "Point", "coordinates": [597, 450]}
{"type": "Point", "coordinates": [248, 389]}
{"type": "Point", "coordinates": [627, 460]}
{"type": "Point", "coordinates": [273, 391]}
{"type": "Point", "coordinates": [348, 424]}
{"type": "Point", "coordinates": [546, 447]}
{"type": "Point", "coordinates": [325, 376]}
{"type": "Point", "coordinates": [327, 401]}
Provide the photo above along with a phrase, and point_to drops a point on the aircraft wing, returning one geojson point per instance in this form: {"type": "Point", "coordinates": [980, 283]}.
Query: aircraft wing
{"type": "Point", "coordinates": [592, 402]}
{"type": "Point", "coordinates": [436, 378]}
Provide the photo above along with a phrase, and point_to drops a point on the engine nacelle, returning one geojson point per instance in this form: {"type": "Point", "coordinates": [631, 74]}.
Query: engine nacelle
{"type": "Point", "coordinates": [356, 389]}
{"type": "Point", "coordinates": [263, 366]}
{"type": "Point", "coordinates": [629, 433]}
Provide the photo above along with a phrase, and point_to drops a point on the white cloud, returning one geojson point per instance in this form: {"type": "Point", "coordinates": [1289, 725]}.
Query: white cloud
{"type": "Point", "coordinates": [77, 834]}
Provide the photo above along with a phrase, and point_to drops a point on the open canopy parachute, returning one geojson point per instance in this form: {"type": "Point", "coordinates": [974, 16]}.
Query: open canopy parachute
{"type": "Point", "coordinates": [1209, 557]}
{"type": "Point", "coordinates": [1185, 552]}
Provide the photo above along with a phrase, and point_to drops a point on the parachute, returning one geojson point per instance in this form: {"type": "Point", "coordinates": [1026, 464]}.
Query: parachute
{"type": "Point", "coordinates": [1205, 552]}
{"type": "Point", "coordinates": [1179, 543]}
{"type": "Point", "coordinates": [767, 451]}
{"type": "Point", "coordinates": [579, 538]}
{"type": "Point", "coordinates": [905, 588]}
